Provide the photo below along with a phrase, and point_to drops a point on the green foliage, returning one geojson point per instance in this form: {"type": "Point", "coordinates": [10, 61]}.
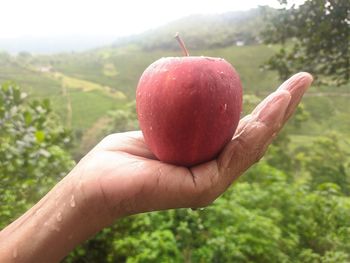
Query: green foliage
{"type": "Point", "coordinates": [263, 218]}
{"type": "Point", "coordinates": [327, 163]}
{"type": "Point", "coordinates": [159, 245]}
{"type": "Point", "coordinates": [315, 38]}
{"type": "Point", "coordinates": [31, 144]}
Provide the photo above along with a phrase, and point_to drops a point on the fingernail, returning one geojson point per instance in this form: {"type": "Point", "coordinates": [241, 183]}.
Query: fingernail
{"type": "Point", "coordinates": [297, 81]}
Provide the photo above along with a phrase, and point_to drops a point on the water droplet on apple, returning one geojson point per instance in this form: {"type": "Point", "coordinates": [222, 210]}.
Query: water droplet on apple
{"type": "Point", "coordinates": [174, 78]}
{"type": "Point", "coordinates": [151, 128]}
{"type": "Point", "coordinates": [223, 108]}
{"type": "Point", "coordinates": [139, 93]}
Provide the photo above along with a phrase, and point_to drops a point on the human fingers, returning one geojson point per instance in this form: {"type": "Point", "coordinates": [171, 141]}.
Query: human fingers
{"type": "Point", "coordinates": [211, 179]}
{"type": "Point", "coordinates": [254, 135]}
{"type": "Point", "coordinates": [129, 142]}
{"type": "Point", "coordinates": [256, 131]}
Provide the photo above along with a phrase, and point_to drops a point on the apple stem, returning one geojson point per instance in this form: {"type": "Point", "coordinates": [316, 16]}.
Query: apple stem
{"type": "Point", "coordinates": [182, 44]}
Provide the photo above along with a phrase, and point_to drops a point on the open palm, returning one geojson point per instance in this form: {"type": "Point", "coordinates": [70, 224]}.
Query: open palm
{"type": "Point", "coordinates": [121, 176]}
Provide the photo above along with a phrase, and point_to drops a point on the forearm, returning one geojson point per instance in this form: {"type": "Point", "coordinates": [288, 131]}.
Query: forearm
{"type": "Point", "coordinates": [51, 228]}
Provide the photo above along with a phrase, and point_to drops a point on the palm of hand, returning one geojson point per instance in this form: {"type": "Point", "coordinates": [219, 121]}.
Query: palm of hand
{"type": "Point", "coordinates": [131, 180]}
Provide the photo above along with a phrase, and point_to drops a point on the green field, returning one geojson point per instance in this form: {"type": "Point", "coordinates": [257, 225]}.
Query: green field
{"type": "Point", "coordinates": [78, 102]}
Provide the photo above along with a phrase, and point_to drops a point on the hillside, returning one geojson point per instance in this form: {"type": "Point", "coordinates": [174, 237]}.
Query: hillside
{"type": "Point", "coordinates": [79, 103]}
{"type": "Point", "coordinates": [204, 31]}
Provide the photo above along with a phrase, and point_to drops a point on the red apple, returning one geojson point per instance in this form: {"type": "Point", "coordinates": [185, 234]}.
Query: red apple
{"type": "Point", "coordinates": [188, 108]}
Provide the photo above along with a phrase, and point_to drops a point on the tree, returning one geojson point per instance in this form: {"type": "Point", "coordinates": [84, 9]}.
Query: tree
{"type": "Point", "coordinates": [315, 37]}
{"type": "Point", "coordinates": [33, 151]}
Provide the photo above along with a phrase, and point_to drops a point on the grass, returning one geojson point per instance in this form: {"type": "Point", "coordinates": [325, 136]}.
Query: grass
{"type": "Point", "coordinates": [326, 113]}
{"type": "Point", "coordinates": [90, 106]}
{"type": "Point", "coordinates": [87, 107]}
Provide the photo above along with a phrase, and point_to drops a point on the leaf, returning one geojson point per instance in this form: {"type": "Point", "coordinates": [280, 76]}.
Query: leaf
{"type": "Point", "coordinates": [27, 118]}
{"type": "Point", "coordinates": [40, 136]}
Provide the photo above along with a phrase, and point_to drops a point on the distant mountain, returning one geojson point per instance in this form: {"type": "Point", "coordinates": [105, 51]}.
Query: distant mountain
{"type": "Point", "coordinates": [205, 31]}
{"type": "Point", "coordinates": [48, 45]}
{"type": "Point", "coordinates": [199, 32]}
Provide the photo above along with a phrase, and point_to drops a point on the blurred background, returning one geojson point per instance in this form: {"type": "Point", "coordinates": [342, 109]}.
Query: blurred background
{"type": "Point", "coordinates": [68, 74]}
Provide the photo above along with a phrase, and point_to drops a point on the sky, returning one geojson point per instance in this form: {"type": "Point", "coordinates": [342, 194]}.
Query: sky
{"type": "Point", "coordinates": [47, 18]}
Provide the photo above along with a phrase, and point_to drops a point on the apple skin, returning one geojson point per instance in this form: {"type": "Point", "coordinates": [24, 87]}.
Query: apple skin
{"type": "Point", "coordinates": [188, 108]}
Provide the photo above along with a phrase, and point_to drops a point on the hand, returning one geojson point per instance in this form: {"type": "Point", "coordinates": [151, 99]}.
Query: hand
{"type": "Point", "coordinates": [120, 177]}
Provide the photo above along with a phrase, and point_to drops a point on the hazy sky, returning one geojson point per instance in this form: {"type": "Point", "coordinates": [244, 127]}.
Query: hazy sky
{"type": "Point", "coordinates": [42, 18]}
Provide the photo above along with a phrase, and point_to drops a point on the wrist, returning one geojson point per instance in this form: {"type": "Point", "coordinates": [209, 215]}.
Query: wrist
{"type": "Point", "coordinates": [50, 229]}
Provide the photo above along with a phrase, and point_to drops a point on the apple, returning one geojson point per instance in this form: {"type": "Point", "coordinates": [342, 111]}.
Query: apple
{"type": "Point", "coordinates": [188, 107]}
